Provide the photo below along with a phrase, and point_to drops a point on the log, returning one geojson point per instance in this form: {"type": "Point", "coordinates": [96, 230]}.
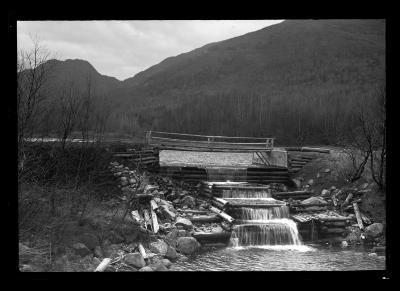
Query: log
{"type": "Point", "coordinates": [334, 230]}
{"type": "Point", "coordinates": [348, 198]}
{"type": "Point", "coordinates": [205, 218]}
{"type": "Point", "coordinates": [308, 205]}
{"type": "Point", "coordinates": [307, 149]}
{"type": "Point", "coordinates": [194, 211]}
{"type": "Point", "coordinates": [205, 237]}
{"type": "Point", "coordinates": [218, 204]}
{"type": "Point", "coordinates": [333, 218]}
{"type": "Point", "coordinates": [142, 251]}
{"type": "Point", "coordinates": [293, 193]}
{"type": "Point", "coordinates": [154, 220]}
{"type": "Point", "coordinates": [365, 218]}
{"type": "Point", "coordinates": [222, 214]}
{"type": "Point", "coordinates": [103, 265]}
{"type": "Point", "coordinates": [136, 217]}
{"type": "Point", "coordinates": [153, 205]}
{"type": "Point", "coordinates": [358, 215]}
{"type": "Point", "coordinates": [146, 216]}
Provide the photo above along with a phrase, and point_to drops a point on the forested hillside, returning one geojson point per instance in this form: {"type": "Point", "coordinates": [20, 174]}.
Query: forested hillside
{"type": "Point", "coordinates": [299, 81]}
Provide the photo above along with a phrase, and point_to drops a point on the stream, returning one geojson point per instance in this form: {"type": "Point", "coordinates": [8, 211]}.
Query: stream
{"type": "Point", "coordinates": [282, 258]}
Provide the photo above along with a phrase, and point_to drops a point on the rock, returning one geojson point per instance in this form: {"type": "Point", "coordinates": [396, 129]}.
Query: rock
{"type": "Point", "coordinates": [217, 229]}
{"type": "Point", "coordinates": [176, 201]}
{"type": "Point", "coordinates": [373, 255]}
{"type": "Point", "coordinates": [188, 201]}
{"type": "Point", "coordinates": [183, 222]}
{"type": "Point", "coordinates": [132, 181]}
{"type": "Point", "coordinates": [182, 233]}
{"type": "Point", "coordinates": [172, 237]}
{"type": "Point", "coordinates": [146, 269]}
{"type": "Point", "coordinates": [168, 214]}
{"type": "Point", "coordinates": [310, 182]}
{"type": "Point", "coordinates": [98, 252]}
{"type": "Point", "coordinates": [344, 244]}
{"type": "Point", "coordinates": [159, 266]}
{"type": "Point", "coordinates": [318, 175]}
{"type": "Point", "coordinates": [150, 188]}
{"type": "Point", "coordinates": [297, 182]}
{"type": "Point", "coordinates": [159, 247]}
{"type": "Point", "coordinates": [135, 259]}
{"type": "Point", "coordinates": [333, 188]}
{"type": "Point", "coordinates": [171, 253]}
{"type": "Point", "coordinates": [166, 263]}
{"type": "Point", "coordinates": [325, 193]}
{"type": "Point", "coordinates": [374, 230]}
{"type": "Point", "coordinates": [314, 200]}
{"type": "Point", "coordinates": [80, 249]}
{"type": "Point", "coordinates": [187, 245]}
{"type": "Point", "coordinates": [327, 170]}
{"type": "Point", "coordinates": [90, 240]}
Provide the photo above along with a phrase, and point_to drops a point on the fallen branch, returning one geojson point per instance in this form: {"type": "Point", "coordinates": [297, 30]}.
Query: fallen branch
{"type": "Point", "coordinates": [103, 265]}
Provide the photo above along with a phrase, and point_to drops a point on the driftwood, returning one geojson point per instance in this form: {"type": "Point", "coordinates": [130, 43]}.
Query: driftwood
{"type": "Point", "coordinates": [348, 198]}
{"type": "Point", "coordinates": [103, 265]}
{"type": "Point", "coordinates": [154, 220]}
{"type": "Point", "coordinates": [205, 218]}
{"type": "Point", "coordinates": [146, 215]}
{"type": "Point", "coordinates": [222, 214]}
{"type": "Point", "coordinates": [204, 237]}
{"type": "Point", "coordinates": [194, 211]}
{"type": "Point", "coordinates": [358, 216]}
{"type": "Point", "coordinates": [142, 251]}
{"type": "Point", "coordinates": [153, 204]}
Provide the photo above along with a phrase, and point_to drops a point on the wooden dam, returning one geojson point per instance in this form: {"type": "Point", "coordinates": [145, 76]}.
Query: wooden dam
{"type": "Point", "coordinates": [249, 184]}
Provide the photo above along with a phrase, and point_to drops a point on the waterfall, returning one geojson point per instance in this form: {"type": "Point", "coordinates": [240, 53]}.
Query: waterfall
{"type": "Point", "coordinates": [236, 193]}
{"type": "Point", "coordinates": [266, 226]}
{"type": "Point", "coordinates": [275, 232]}
{"type": "Point", "coordinates": [247, 213]}
{"type": "Point", "coordinates": [226, 174]}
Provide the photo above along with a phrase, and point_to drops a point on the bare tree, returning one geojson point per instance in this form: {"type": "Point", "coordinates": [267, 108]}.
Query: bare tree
{"type": "Point", "coordinates": [68, 112]}
{"type": "Point", "coordinates": [31, 76]}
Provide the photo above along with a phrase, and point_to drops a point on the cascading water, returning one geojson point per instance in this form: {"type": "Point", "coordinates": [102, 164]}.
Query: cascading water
{"type": "Point", "coordinates": [263, 226]}
{"type": "Point", "coordinates": [236, 193]}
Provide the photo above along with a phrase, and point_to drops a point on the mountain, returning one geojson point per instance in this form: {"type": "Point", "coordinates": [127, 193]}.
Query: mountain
{"type": "Point", "coordinates": [299, 80]}
{"type": "Point", "coordinates": [78, 72]}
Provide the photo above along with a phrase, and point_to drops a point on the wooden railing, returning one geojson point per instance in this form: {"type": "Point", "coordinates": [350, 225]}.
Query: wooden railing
{"type": "Point", "coordinates": [194, 142]}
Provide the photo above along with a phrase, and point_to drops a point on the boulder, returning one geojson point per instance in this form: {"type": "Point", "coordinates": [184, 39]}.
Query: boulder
{"type": "Point", "coordinates": [171, 253]}
{"type": "Point", "coordinates": [172, 237]}
{"type": "Point", "coordinates": [374, 230]}
{"type": "Point", "coordinates": [325, 193]}
{"type": "Point", "coordinates": [188, 201]}
{"type": "Point", "coordinates": [187, 245]}
{"type": "Point", "coordinates": [182, 233]}
{"type": "Point", "coordinates": [344, 244]}
{"type": "Point", "coordinates": [314, 200]}
{"type": "Point", "coordinates": [166, 263]}
{"type": "Point", "coordinates": [146, 269]}
{"type": "Point", "coordinates": [184, 223]}
{"type": "Point", "coordinates": [90, 240]}
{"type": "Point", "coordinates": [135, 259]}
{"type": "Point", "coordinates": [168, 214]}
{"type": "Point", "coordinates": [310, 182]}
{"type": "Point", "coordinates": [373, 255]}
{"type": "Point", "coordinates": [80, 249]}
{"type": "Point", "coordinates": [159, 266]}
{"type": "Point", "coordinates": [159, 247]}
{"type": "Point", "coordinates": [327, 170]}
{"type": "Point", "coordinates": [217, 229]}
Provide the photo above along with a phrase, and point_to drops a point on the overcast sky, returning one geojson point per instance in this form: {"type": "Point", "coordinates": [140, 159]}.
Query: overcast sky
{"type": "Point", "coordinates": [122, 49]}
